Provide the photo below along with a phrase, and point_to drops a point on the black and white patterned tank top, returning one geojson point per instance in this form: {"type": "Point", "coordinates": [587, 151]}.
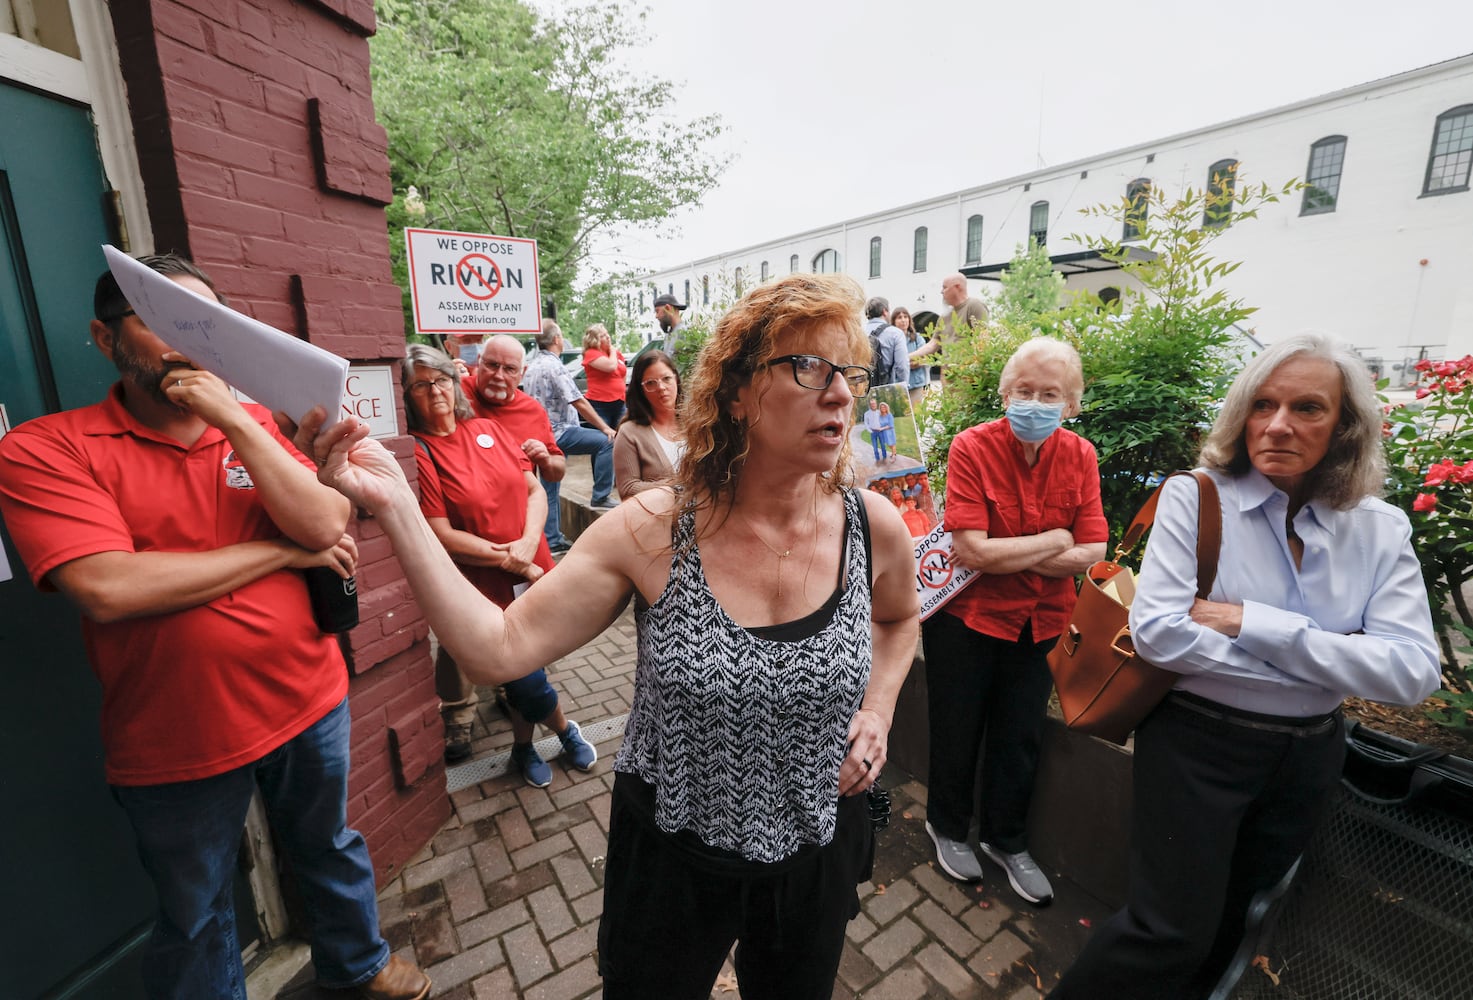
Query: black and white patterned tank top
{"type": "Point", "coordinates": [742, 737]}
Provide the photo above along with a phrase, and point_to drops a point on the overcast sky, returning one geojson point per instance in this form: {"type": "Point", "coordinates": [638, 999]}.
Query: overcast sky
{"type": "Point", "coordinates": [838, 108]}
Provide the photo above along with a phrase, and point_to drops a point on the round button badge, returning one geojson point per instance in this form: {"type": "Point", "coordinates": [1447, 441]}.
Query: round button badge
{"type": "Point", "coordinates": [485, 440]}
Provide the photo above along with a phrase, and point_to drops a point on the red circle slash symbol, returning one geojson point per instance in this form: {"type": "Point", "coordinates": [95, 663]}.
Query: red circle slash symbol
{"type": "Point", "coordinates": [936, 569]}
{"type": "Point", "coordinates": [468, 271]}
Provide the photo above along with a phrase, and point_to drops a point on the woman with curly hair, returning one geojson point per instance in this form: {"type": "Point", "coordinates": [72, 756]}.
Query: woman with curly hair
{"type": "Point", "coordinates": [777, 617]}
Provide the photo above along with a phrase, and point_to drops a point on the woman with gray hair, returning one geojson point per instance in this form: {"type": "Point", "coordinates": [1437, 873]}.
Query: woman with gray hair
{"type": "Point", "coordinates": [1318, 596]}
{"type": "Point", "coordinates": [485, 506]}
{"type": "Point", "coordinates": [1023, 508]}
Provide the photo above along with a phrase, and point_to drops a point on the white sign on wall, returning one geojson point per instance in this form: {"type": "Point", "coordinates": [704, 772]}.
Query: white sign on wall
{"type": "Point", "coordinates": [368, 394]}
{"type": "Point", "coordinates": [473, 282]}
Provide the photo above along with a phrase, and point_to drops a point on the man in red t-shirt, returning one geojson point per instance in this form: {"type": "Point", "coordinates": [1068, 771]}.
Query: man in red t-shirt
{"type": "Point", "coordinates": [492, 392]}
{"type": "Point", "coordinates": [177, 519]}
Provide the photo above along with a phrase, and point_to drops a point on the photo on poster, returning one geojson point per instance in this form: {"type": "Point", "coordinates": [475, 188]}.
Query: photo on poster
{"type": "Point", "coordinates": [887, 456]}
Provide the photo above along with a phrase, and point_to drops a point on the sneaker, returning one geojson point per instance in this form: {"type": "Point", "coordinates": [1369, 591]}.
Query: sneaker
{"type": "Point", "coordinates": [558, 548]}
{"type": "Point", "coordinates": [457, 741]}
{"type": "Point", "coordinates": [607, 503]}
{"type": "Point", "coordinates": [1024, 875]}
{"type": "Point", "coordinates": [578, 751]}
{"type": "Point", "coordinates": [955, 857]}
{"type": "Point", "coordinates": [534, 769]}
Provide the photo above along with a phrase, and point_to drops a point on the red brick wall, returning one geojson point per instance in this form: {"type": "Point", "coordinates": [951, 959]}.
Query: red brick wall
{"type": "Point", "coordinates": [262, 160]}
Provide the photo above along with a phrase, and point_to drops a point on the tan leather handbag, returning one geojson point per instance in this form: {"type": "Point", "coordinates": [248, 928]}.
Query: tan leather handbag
{"type": "Point", "coordinates": [1105, 688]}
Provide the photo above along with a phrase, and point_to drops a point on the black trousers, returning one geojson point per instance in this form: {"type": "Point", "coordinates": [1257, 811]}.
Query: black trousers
{"type": "Point", "coordinates": [1221, 812]}
{"type": "Point", "coordinates": [672, 913]}
{"type": "Point", "coordinates": [984, 696]}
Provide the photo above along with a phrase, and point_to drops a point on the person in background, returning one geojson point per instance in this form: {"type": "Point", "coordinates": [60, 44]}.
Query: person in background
{"type": "Point", "coordinates": [481, 500]}
{"type": "Point", "coordinates": [966, 313]}
{"type": "Point", "coordinates": [179, 520]}
{"type": "Point", "coordinates": [650, 444]}
{"type": "Point", "coordinates": [1319, 595]}
{"type": "Point", "coordinates": [1023, 508]}
{"type": "Point", "coordinates": [919, 375]}
{"type": "Point", "coordinates": [604, 369]}
{"type": "Point", "coordinates": [776, 612]}
{"type": "Point", "coordinates": [891, 362]}
{"type": "Point", "coordinates": [491, 390]}
{"type": "Point", "coordinates": [668, 311]}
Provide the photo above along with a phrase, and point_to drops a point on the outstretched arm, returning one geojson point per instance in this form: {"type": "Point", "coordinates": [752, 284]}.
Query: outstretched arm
{"type": "Point", "coordinates": [490, 646]}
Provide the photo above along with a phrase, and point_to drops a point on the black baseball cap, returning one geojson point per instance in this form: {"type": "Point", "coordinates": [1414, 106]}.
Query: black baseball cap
{"type": "Point", "coordinates": [669, 300]}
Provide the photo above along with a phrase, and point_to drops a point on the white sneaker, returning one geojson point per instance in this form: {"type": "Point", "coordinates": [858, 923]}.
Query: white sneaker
{"type": "Point", "coordinates": [955, 857]}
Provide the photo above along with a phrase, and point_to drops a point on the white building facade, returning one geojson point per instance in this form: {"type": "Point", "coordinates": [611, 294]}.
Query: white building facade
{"type": "Point", "coordinates": [1378, 252]}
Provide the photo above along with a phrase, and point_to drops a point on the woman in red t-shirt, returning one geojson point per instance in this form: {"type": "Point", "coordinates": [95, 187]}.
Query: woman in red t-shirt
{"type": "Point", "coordinates": [483, 503]}
{"type": "Point", "coordinates": [604, 368]}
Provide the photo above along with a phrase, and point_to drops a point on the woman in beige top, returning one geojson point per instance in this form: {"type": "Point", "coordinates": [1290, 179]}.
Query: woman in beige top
{"type": "Point", "coordinates": [650, 442]}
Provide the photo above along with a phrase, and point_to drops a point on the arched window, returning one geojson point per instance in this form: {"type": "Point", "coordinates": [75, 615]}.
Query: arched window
{"type": "Point", "coordinates": [974, 240]}
{"type": "Point", "coordinates": [739, 282]}
{"type": "Point", "coordinates": [826, 262]}
{"type": "Point", "coordinates": [765, 272]}
{"type": "Point", "coordinates": [1137, 209]}
{"type": "Point", "coordinates": [670, 288]}
{"type": "Point", "coordinates": [1038, 223]}
{"type": "Point", "coordinates": [1222, 179]}
{"type": "Point", "coordinates": [641, 301]}
{"type": "Point", "coordinates": [1452, 152]}
{"type": "Point", "coordinates": [874, 257]}
{"type": "Point", "coordinates": [793, 264]}
{"type": "Point", "coordinates": [686, 300]}
{"type": "Point", "coordinates": [705, 289]}
{"type": "Point", "coordinates": [918, 256]}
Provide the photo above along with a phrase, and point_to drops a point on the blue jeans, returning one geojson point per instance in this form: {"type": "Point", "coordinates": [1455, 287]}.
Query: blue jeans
{"type": "Point", "coordinates": [575, 440]}
{"type": "Point", "coordinates": [189, 835]}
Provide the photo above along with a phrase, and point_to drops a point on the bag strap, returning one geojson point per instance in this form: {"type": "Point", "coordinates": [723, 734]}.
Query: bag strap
{"type": "Point", "coordinates": [1209, 528]}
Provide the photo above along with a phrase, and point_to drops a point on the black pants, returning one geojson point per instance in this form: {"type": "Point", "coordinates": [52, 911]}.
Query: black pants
{"type": "Point", "coordinates": [986, 695]}
{"type": "Point", "coordinates": [671, 914]}
{"type": "Point", "coordinates": [1221, 812]}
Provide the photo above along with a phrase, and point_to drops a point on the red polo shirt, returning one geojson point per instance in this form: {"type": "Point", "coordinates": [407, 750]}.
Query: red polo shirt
{"type": "Point", "coordinates": [604, 387]}
{"type": "Point", "coordinates": [990, 487]}
{"type": "Point", "coordinates": [521, 416]}
{"type": "Point", "coordinates": [473, 479]}
{"type": "Point", "coordinates": [191, 693]}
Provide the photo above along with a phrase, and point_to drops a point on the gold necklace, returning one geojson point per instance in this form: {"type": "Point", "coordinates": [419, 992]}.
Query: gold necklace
{"type": "Point", "coordinates": [781, 554]}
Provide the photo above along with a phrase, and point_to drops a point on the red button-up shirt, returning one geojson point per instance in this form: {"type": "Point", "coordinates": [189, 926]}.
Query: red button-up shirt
{"type": "Point", "coordinates": [991, 487]}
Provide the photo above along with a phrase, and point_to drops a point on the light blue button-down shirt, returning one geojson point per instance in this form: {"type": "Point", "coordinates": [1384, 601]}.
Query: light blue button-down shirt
{"type": "Point", "coordinates": [1295, 655]}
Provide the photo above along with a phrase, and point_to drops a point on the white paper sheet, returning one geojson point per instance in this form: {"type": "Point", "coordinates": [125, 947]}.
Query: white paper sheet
{"type": "Point", "coordinates": [274, 368]}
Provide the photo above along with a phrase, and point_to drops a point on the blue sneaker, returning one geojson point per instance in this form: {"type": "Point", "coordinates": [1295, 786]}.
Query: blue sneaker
{"type": "Point", "coordinates": [534, 769]}
{"type": "Point", "coordinates": [578, 751]}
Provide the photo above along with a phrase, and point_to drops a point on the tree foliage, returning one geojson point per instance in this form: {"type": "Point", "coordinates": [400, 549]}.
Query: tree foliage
{"type": "Point", "coordinates": [512, 123]}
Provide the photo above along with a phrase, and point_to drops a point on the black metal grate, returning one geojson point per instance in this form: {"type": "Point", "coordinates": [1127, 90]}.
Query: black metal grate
{"type": "Point", "coordinates": [1382, 909]}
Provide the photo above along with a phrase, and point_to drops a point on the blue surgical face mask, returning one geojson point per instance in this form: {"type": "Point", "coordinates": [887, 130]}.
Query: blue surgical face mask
{"type": "Point", "coordinates": [1034, 421]}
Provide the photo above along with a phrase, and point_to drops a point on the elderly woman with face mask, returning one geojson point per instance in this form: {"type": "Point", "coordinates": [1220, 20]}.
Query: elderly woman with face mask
{"type": "Point", "coordinates": [1023, 507]}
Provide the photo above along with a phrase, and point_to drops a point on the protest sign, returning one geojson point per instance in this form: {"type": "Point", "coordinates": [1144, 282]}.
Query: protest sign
{"type": "Point", "coordinates": [277, 370]}
{"type": "Point", "coordinates": [888, 459]}
{"type": "Point", "coordinates": [473, 282]}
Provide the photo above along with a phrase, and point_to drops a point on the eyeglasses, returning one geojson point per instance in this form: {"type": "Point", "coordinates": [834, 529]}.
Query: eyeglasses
{"type": "Point", "coordinates": [1050, 397]}
{"type": "Point", "coordinates": [663, 382]}
{"type": "Point", "coordinates": [496, 366]}
{"type": "Point", "coordinates": [443, 383]}
{"type": "Point", "coordinates": [812, 372]}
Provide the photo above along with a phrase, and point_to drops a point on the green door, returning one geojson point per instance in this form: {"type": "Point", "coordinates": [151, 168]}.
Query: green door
{"type": "Point", "coordinates": [76, 903]}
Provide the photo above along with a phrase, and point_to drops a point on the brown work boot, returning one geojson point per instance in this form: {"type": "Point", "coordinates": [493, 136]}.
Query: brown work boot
{"type": "Point", "coordinates": [457, 741]}
{"type": "Point", "coordinates": [399, 980]}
